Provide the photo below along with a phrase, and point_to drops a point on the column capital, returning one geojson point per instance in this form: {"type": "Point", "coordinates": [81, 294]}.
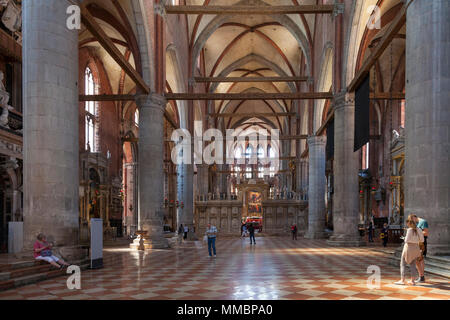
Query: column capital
{"type": "Point", "coordinates": [152, 100]}
{"type": "Point", "coordinates": [130, 164]}
{"type": "Point", "coordinates": [344, 98]}
{"type": "Point", "coordinates": [315, 140]}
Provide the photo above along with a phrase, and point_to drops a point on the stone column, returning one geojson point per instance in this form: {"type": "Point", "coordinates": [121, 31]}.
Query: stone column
{"type": "Point", "coordinates": [188, 199]}
{"type": "Point", "coordinates": [202, 179]}
{"type": "Point", "coordinates": [185, 214]}
{"type": "Point", "coordinates": [151, 175]}
{"type": "Point", "coordinates": [346, 188]}
{"type": "Point", "coordinates": [317, 184]}
{"type": "Point", "coordinates": [50, 96]}
{"type": "Point", "coordinates": [427, 121]}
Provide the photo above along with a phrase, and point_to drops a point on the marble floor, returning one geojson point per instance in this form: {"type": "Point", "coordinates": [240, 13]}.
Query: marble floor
{"type": "Point", "coordinates": [274, 268]}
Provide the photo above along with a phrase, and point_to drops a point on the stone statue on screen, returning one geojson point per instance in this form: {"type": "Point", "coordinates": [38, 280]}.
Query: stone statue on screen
{"type": "Point", "coordinates": [4, 99]}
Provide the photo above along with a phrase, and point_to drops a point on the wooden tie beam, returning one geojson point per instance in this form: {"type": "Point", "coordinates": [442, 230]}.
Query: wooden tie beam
{"type": "Point", "coordinates": [110, 47]}
{"type": "Point", "coordinates": [251, 10]}
{"type": "Point", "coordinates": [387, 96]}
{"type": "Point", "coordinates": [106, 97]}
{"type": "Point", "coordinates": [250, 79]}
{"type": "Point", "coordinates": [250, 96]}
{"type": "Point", "coordinates": [255, 114]}
{"type": "Point", "coordinates": [373, 96]}
{"type": "Point", "coordinates": [239, 96]}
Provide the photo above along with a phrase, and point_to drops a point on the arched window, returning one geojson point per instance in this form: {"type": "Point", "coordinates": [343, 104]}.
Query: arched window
{"type": "Point", "coordinates": [248, 152]}
{"type": "Point", "coordinates": [90, 110]}
{"type": "Point", "coordinates": [260, 152]}
{"type": "Point", "coordinates": [271, 152]}
{"type": "Point", "coordinates": [365, 156]}
{"type": "Point", "coordinates": [402, 113]}
{"type": "Point", "coordinates": [238, 153]}
{"type": "Point", "coordinates": [136, 118]}
{"type": "Point", "coordinates": [248, 172]}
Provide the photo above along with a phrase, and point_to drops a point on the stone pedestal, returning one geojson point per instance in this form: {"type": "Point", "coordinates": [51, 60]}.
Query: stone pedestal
{"type": "Point", "coordinates": [143, 241]}
{"type": "Point", "coordinates": [346, 187]}
{"type": "Point", "coordinates": [151, 179]}
{"type": "Point", "coordinates": [15, 237]}
{"type": "Point", "coordinates": [50, 97]}
{"type": "Point", "coordinates": [316, 191]}
{"type": "Point", "coordinates": [427, 119]}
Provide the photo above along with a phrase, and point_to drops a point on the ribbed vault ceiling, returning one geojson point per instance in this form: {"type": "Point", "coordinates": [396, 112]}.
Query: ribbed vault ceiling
{"type": "Point", "coordinates": [265, 45]}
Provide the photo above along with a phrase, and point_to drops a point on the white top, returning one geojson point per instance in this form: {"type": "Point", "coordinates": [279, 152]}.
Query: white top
{"type": "Point", "coordinates": [211, 232]}
{"type": "Point", "coordinates": [413, 237]}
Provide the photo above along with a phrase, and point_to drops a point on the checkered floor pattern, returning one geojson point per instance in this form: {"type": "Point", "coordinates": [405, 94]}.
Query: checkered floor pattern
{"type": "Point", "coordinates": [274, 268]}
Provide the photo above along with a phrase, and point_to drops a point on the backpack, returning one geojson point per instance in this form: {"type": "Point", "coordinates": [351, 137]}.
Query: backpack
{"type": "Point", "coordinates": [46, 253]}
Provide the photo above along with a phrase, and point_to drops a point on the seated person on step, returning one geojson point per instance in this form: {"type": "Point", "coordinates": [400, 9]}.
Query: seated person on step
{"type": "Point", "coordinates": [43, 251]}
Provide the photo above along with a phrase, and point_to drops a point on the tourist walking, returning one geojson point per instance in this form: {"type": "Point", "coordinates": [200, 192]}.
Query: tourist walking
{"type": "Point", "coordinates": [251, 232]}
{"type": "Point", "coordinates": [211, 233]}
{"type": "Point", "coordinates": [186, 230]}
{"type": "Point", "coordinates": [384, 234]}
{"type": "Point", "coordinates": [411, 251]}
{"type": "Point", "coordinates": [422, 224]}
{"type": "Point", "coordinates": [370, 229]}
{"type": "Point", "coordinates": [294, 231]}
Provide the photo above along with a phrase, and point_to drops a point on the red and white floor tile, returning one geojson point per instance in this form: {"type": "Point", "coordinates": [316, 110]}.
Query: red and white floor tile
{"type": "Point", "coordinates": [274, 268]}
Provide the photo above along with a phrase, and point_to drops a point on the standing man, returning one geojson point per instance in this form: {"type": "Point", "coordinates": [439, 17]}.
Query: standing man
{"type": "Point", "coordinates": [251, 231]}
{"type": "Point", "coordinates": [186, 230]}
{"type": "Point", "coordinates": [370, 228]}
{"type": "Point", "coordinates": [294, 231]}
{"type": "Point", "coordinates": [423, 225]}
{"type": "Point", "coordinates": [384, 234]}
{"type": "Point", "coordinates": [211, 233]}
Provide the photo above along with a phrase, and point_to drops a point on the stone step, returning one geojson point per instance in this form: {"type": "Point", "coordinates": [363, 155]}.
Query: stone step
{"type": "Point", "coordinates": [17, 265]}
{"type": "Point", "coordinates": [16, 273]}
{"type": "Point", "coordinates": [39, 272]}
{"type": "Point", "coordinates": [432, 265]}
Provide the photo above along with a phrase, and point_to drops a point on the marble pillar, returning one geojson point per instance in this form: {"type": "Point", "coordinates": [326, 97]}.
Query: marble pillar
{"type": "Point", "coordinates": [185, 195]}
{"type": "Point", "coordinates": [317, 185]}
{"type": "Point", "coordinates": [50, 96]}
{"type": "Point", "coordinates": [427, 119]}
{"type": "Point", "coordinates": [346, 187]}
{"type": "Point", "coordinates": [151, 175]}
{"type": "Point", "coordinates": [188, 199]}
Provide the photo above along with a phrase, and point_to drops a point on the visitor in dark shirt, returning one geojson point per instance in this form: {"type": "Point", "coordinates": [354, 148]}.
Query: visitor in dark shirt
{"type": "Point", "coordinates": [384, 234]}
{"type": "Point", "coordinates": [294, 231]}
{"type": "Point", "coordinates": [251, 231]}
